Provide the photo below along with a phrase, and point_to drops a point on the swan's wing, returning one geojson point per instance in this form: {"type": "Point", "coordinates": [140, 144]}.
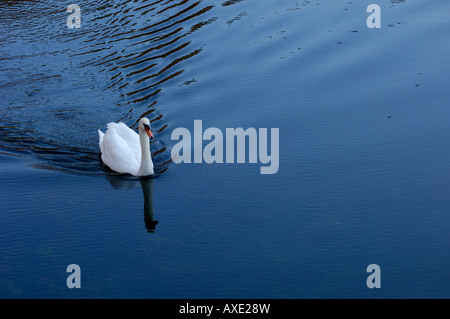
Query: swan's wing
{"type": "Point", "coordinates": [118, 148]}
{"type": "Point", "coordinates": [129, 136]}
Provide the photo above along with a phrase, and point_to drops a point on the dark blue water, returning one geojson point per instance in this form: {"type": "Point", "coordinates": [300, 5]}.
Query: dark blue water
{"type": "Point", "coordinates": [364, 173]}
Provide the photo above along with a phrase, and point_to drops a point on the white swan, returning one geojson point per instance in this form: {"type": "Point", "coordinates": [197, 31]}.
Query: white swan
{"type": "Point", "coordinates": [124, 151]}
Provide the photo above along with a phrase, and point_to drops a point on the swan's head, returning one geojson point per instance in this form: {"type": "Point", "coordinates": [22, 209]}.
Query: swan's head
{"type": "Point", "coordinates": [144, 125]}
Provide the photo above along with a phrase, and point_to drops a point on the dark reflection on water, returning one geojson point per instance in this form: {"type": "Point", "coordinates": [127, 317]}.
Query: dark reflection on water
{"type": "Point", "coordinates": [147, 190]}
{"type": "Point", "coordinates": [146, 183]}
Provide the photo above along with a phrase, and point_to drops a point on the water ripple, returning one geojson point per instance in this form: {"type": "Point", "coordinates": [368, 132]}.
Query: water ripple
{"type": "Point", "coordinates": [58, 85]}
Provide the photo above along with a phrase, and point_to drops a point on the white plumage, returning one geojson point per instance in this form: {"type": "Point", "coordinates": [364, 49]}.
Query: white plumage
{"type": "Point", "coordinates": [125, 151]}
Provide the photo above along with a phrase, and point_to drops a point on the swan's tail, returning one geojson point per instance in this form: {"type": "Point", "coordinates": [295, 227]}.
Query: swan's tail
{"type": "Point", "coordinates": [100, 138]}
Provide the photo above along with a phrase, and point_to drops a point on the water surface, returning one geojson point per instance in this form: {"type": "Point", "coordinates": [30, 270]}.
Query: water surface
{"type": "Point", "coordinates": [364, 158]}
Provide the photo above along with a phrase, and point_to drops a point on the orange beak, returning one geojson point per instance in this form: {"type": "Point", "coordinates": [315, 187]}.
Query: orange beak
{"type": "Point", "coordinates": [149, 132]}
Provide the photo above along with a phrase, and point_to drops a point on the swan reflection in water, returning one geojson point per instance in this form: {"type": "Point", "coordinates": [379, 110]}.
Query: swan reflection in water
{"type": "Point", "coordinates": [146, 183]}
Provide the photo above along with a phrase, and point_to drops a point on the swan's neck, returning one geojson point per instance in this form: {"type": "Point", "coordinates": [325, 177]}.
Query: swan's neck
{"type": "Point", "coordinates": [146, 167]}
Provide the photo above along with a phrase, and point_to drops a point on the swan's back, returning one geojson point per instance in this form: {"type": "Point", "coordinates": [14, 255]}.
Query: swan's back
{"type": "Point", "coordinates": [121, 149]}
